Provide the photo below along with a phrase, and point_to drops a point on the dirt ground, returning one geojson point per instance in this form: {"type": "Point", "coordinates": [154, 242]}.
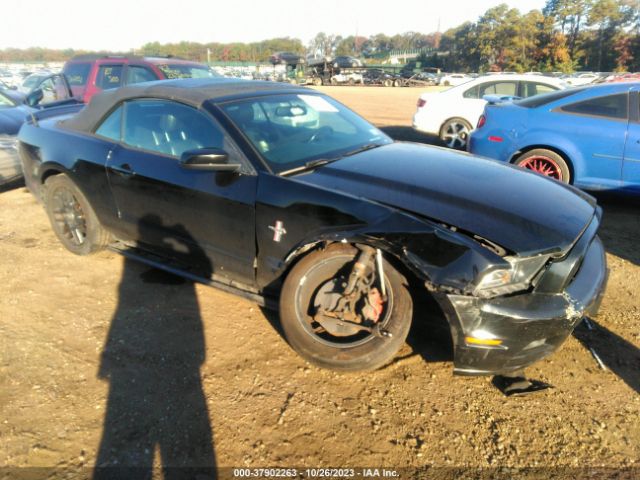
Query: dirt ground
{"type": "Point", "coordinates": [104, 361]}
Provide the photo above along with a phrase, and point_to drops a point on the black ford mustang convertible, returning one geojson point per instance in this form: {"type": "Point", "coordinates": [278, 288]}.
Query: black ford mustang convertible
{"type": "Point", "coordinates": [283, 195]}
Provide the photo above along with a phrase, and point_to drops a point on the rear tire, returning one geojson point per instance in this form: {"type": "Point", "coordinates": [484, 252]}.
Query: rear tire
{"type": "Point", "coordinates": [72, 218]}
{"type": "Point", "coordinates": [455, 133]}
{"type": "Point", "coordinates": [362, 351]}
{"type": "Point", "coordinates": [388, 82]}
{"type": "Point", "coordinates": [545, 162]}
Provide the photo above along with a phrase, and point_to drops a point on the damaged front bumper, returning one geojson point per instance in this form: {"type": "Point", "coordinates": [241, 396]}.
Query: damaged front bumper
{"type": "Point", "coordinates": [523, 328]}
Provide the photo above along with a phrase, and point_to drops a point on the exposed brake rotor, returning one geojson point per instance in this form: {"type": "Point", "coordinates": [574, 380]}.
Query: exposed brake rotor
{"type": "Point", "coordinates": [346, 308]}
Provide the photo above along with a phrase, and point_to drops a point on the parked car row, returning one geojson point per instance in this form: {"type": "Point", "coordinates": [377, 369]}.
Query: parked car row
{"type": "Point", "coordinates": [452, 114]}
{"type": "Point", "coordinates": [588, 136]}
{"type": "Point", "coordinates": [82, 77]}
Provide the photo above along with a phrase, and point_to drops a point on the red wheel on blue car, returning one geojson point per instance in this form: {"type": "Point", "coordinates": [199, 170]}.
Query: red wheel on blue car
{"type": "Point", "coordinates": [545, 162]}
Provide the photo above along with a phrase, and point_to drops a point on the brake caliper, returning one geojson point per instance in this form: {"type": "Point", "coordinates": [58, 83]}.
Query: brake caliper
{"type": "Point", "coordinates": [360, 304]}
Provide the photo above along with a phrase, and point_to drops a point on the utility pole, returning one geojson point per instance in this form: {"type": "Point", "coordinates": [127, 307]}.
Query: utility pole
{"type": "Point", "coordinates": [208, 56]}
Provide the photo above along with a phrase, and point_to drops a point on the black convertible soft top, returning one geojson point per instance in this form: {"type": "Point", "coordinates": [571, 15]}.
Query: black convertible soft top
{"type": "Point", "coordinates": [192, 91]}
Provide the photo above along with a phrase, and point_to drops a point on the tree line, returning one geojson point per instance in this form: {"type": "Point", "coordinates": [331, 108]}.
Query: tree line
{"type": "Point", "coordinates": [566, 35]}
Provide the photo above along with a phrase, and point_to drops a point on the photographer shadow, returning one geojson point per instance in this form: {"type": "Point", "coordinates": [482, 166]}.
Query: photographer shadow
{"type": "Point", "coordinates": [151, 359]}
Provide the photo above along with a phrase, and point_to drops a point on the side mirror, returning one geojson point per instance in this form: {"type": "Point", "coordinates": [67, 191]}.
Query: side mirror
{"type": "Point", "coordinates": [34, 98]}
{"type": "Point", "coordinates": [213, 159]}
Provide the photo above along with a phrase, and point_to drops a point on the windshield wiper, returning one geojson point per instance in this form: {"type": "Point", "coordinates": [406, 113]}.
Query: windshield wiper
{"type": "Point", "coordinates": [363, 148]}
{"type": "Point", "coordinates": [310, 165]}
{"type": "Point", "coordinates": [313, 164]}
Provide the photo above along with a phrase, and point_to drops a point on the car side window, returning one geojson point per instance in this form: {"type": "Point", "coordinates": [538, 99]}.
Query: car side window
{"type": "Point", "coordinates": [610, 106]}
{"type": "Point", "coordinates": [111, 127]}
{"type": "Point", "coordinates": [109, 76]}
{"type": "Point", "coordinates": [535, 88]}
{"type": "Point", "coordinates": [498, 88]}
{"type": "Point", "coordinates": [172, 128]}
{"type": "Point", "coordinates": [472, 92]}
{"type": "Point", "coordinates": [136, 74]}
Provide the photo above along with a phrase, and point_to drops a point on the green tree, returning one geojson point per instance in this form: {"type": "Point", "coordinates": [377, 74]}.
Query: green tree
{"type": "Point", "coordinates": [605, 16]}
{"type": "Point", "coordinates": [570, 16]}
{"type": "Point", "coordinates": [324, 45]}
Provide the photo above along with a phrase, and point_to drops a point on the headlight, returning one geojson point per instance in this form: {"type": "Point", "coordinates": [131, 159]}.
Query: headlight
{"type": "Point", "coordinates": [8, 142]}
{"type": "Point", "coordinates": [509, 280]}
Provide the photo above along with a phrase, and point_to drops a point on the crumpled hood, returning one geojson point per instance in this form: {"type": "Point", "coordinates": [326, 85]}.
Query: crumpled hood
{"type": "Point", "coordinates": [517, 209]}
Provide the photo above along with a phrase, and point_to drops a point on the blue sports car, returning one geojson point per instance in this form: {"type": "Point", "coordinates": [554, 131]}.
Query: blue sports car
{"type": "Point", "coordinates": [588, 136]}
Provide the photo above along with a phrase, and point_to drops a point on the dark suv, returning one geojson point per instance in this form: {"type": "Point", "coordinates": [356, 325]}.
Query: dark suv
{"type": "Point", "coordinates": [90, 74]}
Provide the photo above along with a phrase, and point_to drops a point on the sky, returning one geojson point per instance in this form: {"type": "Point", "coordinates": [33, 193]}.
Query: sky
{"type": "Point", "coordinates": [123, 25]}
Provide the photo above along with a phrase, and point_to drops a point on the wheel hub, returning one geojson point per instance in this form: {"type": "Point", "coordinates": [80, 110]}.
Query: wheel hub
{"type": "Point", "coordinates": [544, 166]}
{"type": "Point", "coordinates": [456, 135]}
{"type": "Point", "coordinates": [70, 218]}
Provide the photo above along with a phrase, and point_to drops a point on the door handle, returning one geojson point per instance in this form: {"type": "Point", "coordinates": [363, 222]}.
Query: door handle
{"type": "Point", "coordinates": [123, 170]}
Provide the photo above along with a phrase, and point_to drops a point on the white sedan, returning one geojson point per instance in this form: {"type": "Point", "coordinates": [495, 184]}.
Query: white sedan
{"type": "Point", "coordinates": [452, 114]}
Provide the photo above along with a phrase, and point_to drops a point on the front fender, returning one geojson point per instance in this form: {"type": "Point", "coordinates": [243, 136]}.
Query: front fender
{"type": "Point", "coordinates": [444, 260]}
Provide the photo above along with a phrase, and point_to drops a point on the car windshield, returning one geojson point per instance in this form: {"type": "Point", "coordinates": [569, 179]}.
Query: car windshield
{"type": "Point", "coordinates": [545, 98]}
{"type": "Point", "coordinates": [292, 130]}
{"type": "Point", "coordinates": [172, 71]}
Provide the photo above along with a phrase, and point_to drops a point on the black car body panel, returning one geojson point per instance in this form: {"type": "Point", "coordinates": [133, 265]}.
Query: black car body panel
{"type": "Point", "coordinates": [446, 217]}
{"type": "Point", "coordinates": [419, 180]}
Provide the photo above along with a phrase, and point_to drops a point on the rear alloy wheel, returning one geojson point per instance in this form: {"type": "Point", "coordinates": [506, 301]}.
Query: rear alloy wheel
{"type": "Point", "coordinates": [397, 83]}
{"type": "Point", "coordinates": [455, 133]}
{"type": "Point", "coordinates": [388, 82]}
{"type": "Point", "coordinates": [334, 326]}
{"type": "Point", "coordinates": [73, 220]}
{"type": "Point", "coordinates": [545, 162]}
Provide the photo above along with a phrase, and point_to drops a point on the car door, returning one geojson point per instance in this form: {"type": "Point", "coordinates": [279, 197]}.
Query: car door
{"type": "Point", "coordinates": [54, 89]}
{"type": "Point", "coordinates": [174, 209]}
{"type": "Point", "coordinates": [631, 163]}
{"type": "Point", "coordinates": [597, 127]}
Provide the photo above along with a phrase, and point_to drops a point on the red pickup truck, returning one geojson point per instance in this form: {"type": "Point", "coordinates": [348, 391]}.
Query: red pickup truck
{"type": "Point", "coordinates": [90, 74]}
